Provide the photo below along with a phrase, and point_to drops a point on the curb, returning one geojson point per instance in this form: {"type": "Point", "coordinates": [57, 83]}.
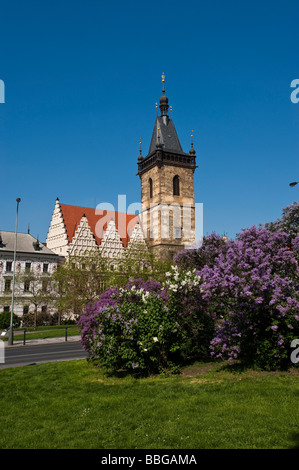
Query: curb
{"type": "Point", "coordinates": [43, 341]}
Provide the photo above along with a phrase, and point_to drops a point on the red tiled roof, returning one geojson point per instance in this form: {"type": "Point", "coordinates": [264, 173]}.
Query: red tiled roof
{"type": "Point", "coordinates": [98, 221]}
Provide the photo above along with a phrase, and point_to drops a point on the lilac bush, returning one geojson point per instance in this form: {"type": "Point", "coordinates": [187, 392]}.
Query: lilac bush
{"type": "Point", "coordinates": [251, 287]}
{"type": "Point", "coordinates": [132, 328]}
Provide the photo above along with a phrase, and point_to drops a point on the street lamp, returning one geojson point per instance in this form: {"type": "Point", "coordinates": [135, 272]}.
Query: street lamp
{"type": "Point", "coordinates": [294, 183]}
{"type": "Point", "coordinates": [10, 338]}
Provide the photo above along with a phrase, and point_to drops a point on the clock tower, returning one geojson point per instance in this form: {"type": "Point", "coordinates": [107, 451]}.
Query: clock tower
{"type": "Point", "coordinates": [167, 188]}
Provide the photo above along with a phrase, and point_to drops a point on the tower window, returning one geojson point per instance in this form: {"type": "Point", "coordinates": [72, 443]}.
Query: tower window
{"type": "Point", "coordinates": [150, 181]}
{"type": "Point", "coordinates": [176, 186]}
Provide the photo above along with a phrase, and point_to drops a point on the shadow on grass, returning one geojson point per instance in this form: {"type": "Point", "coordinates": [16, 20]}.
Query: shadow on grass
{"type": "Point", "coordinates": [240, 367]}
{"type": "Point", "coordinates": [295, 438]}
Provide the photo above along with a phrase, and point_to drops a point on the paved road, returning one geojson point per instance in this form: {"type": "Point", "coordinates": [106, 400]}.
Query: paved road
{"type": "Point", "coordinates": [40, 352]}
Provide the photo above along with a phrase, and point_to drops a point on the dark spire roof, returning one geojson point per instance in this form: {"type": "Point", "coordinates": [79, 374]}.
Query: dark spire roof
{"type": "Point", "coordinates": [167, 137]}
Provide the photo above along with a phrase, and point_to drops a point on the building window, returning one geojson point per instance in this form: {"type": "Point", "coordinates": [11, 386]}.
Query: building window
{"type": "Point", "coordinates": [150, 182]}
{"type": "Point", "coordinates": [26, 286]}
{"type": "Point", "coordinates": [44, 286]}
{"type": "Point", "coordinates": [25, 309]}
{"type": "Point", "coordinates": [45, 267]}
{"type": "Point", "coordinates": [27, 266]}
{"type": "Point", "coordinates": [44, 309]}
{"type": "Point", "coordinates": [7, 286]}
{"type": "Point", "coordinates": [6, 308]}
{"type": "Point", "coordinates": [8, 266]}
{"type": "Point", "coordinates": [176, 186]}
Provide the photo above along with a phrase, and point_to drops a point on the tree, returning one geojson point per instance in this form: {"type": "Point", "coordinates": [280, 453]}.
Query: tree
{"type": "Point", "coordinates": [81, 279]}
{"type": "Point", "coordinates": [39, 290]}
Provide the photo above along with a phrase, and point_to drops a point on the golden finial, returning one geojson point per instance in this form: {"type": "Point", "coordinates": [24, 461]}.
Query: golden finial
{"type": "Point", "coordinates": [140, 143]}
{"type": "Point", "coordinates": [171, 111]}
{"type": "Point", "coordinates": [157, 109]}
{"type": "Point", "coordinates": [163, 81]}
{"type": "Point", "coordinates": [192, 137]}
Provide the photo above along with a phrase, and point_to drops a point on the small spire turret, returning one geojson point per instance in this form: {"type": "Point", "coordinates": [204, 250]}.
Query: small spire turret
{"type": "Point", "coordinates": [192, 151]}
{"type": "Point", "coordinates": [140, 157]}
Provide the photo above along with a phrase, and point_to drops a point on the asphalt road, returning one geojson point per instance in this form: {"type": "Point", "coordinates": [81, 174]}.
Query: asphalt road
{"type": "Point", "coordinates": [17, 356]}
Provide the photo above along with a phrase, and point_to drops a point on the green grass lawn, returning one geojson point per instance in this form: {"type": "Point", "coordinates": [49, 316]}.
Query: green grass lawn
{"type": "Point", "coordinates": [43, 332]}
{"type": "Point", "coordinates": [72, 405]}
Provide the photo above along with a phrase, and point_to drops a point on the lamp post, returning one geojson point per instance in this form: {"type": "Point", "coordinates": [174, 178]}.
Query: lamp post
{"type": "Point", "coordinates": [294, 183]}
{"type": "Point", "coordinates": [10, 338]}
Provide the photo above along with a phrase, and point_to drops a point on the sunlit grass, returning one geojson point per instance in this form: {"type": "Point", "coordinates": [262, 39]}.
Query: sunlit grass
{"type": "Point", "coordinates": [74, 405]}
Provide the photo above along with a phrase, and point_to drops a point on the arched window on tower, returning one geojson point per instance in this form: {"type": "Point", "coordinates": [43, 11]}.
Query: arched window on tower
{"type": "Point", "coordinates": [176, 185]}
{"type": "Point", "coordinates": [150, 182]}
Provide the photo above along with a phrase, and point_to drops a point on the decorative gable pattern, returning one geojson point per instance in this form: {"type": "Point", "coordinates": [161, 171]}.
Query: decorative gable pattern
{"type": "Point", "coordinates": [137, 236]}
{"type": "Point", "coordinates": [111, 246]}
{"type": "Point", "coordinates": [57, 239]}
{"type": "Point", "coordinates": [83, 239]}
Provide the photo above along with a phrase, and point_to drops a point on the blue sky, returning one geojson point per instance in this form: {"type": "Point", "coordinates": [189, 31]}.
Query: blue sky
{"type": "Point", "coordinates": [81, 83]}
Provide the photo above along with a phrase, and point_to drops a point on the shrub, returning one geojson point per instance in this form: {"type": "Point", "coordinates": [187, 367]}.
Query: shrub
{"type": "Point", "coordinates": [5, 320]}
{"type": "Point", "coordinates": [187, 302]}
{"type": "Point", "coordinates": [145, 326]}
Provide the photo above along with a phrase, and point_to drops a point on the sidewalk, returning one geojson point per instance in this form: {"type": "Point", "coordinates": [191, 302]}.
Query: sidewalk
{"type": "Point", "coordinates": [43, 341]}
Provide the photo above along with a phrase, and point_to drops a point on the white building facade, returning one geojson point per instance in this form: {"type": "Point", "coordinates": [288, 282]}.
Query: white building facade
{"type": "Point", "coordinates": [35, 263]}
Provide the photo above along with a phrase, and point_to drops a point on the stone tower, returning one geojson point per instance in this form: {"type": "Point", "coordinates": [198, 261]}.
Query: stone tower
{"type": "Point", "coordinates": [167, 188]}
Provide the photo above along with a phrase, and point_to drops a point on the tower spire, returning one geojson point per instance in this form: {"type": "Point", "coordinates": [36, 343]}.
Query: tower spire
{"type": "Point", "coordinates": [163, 100]}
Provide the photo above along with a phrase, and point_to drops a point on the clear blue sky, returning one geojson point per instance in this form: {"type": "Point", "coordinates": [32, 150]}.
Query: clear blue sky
{"type": "Point", "coordinates": [81, 83]}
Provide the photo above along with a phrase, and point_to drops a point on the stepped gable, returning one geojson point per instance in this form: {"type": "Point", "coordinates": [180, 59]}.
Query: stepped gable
{"type": "Point", "coordinates": [72, 216]}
